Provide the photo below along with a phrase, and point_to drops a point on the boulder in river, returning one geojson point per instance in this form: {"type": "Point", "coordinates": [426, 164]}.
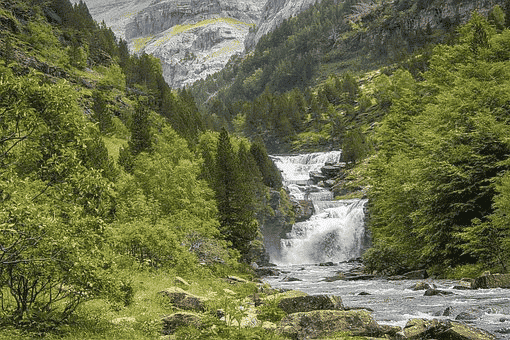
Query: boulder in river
{"type": "Point", "coordinates": [310, 303]}
{"type": "Point", "coordinates": [433, 292]}
{"type": "Point", "coordinates": [418, 329]}
{"type": "Point", "coordinates": [322, 323]}
{"type": "Point", "coordinates": [290, 279]}
{"type": "Point", "coordinates": [421, 286]}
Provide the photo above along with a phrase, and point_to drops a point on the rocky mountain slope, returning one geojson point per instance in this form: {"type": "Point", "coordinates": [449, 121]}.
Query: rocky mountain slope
{"type": "Point", "coordinates": [274, 12]}
{"type": "Point", "coordinates": [193, 38]}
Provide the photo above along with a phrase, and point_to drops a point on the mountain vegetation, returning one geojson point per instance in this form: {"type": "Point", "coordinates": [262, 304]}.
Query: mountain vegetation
{"type": "Point", "coordinates": [109, 181]}
{"type": "Point", "coordinates": [439, 176]}
{"type": "Point", "coordinates": [113, 185]}
{"type": "Point", "coordinates": [421, 115]}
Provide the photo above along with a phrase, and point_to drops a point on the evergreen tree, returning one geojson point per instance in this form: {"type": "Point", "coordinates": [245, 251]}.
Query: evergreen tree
{"type": "Point", "coordinates": [140, 129]}
{"type": "Point", "coordinates": [236, 218]}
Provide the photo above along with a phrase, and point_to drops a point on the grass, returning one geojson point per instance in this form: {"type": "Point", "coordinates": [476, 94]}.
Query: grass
{"type": "Point", "coordinates": [113, 144]}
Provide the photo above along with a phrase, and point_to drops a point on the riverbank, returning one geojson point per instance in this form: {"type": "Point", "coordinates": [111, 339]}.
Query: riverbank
{"type": "Point", "coordinates": [239, 305]}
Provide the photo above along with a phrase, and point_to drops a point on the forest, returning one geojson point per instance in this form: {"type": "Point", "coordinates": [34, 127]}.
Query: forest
{"type": "Point", "coordinates": [109, 180]}
{"type": "Point", "coordinates": [113, 184]}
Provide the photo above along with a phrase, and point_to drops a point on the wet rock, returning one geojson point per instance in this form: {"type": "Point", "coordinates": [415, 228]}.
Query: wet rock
{"type": "Point", "coordinates": [319, 324]}
{"type": "Point", "coordinates": [418, 329]}
{"type": "Point", "coordinates": [290, 279]}
{"type": "Point", "coordinates": [463, 285]}
{"type": "Point", "coordinates": [172, 322]}
{"type": "Point", "coordinates": [488, 280]}
{"type": "Point", "coordinates": [420, 286]}
{"type": "Point", "coordinates": [503, 331]}
{"type": "Point", "coordinates": [359, 277]}
{"type": "Point", "coordinates": [337, 277]}
{"type": "Point", "coordinates": [267, 271]}
{"type": "Point", "coordinates": [310, 303]}
{"type": "Point", "coordinates": [317, 177]}
{"type": "Point", "coordinates": [331, 171]}
{"type": "Point", "coordinates": [466, 316]}
{"type": "Point", "coordinates": [184, 300]}
{"type": "Point", "coordinates": [363, 293]}
{"type": "Point", "coordinates": [326, 264]}
{"type": "Point", "coordinates": [433, 292]}
{"type": "Point", "coordinates": [329, 183]}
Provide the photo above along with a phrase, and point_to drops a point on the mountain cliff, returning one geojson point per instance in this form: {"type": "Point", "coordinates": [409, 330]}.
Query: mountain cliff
{"type": "Point", "coordinates": [274, 12]}
{"type": "Point", "coordinates": [192, 38]}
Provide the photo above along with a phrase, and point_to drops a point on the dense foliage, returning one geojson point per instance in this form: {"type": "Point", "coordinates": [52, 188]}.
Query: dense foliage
{"type": "Point", "coordinates": [439, 179]}
{"type": "Point", "coordinates": [106, 171]}
{"type": "Point", "coordinates": [261, 94]}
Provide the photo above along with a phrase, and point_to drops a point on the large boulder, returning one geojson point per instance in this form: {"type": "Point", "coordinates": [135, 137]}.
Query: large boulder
{"type": "Point", "coordinates": [419, 329]}
{"type": "Point", "coordinates": [310, 303]}
{"type": "Point", "coordinates": [184, 300]}
{"type": "Point", "coordinates": [322, 323]}
{"type": "Point", "coordinates": [172, 322]}
{"type": "Point", "coordinates": [491, 281]}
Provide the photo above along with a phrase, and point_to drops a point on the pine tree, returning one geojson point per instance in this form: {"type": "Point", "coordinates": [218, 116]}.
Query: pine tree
{"type": "Point", "coordinates": [236, 213]}
{"type": "Point", "coordinates": [140, 129]}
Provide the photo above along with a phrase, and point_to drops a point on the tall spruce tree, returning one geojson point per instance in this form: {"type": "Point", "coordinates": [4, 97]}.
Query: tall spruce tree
{"type": "Point", "coordinates": [236, 213]}
{"type": "Point", "coordinates": [140, 129]}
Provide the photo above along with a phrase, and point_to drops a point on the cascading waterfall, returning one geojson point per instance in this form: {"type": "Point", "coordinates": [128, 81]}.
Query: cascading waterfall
{"type": "Point", "coordinates": [336, 230]}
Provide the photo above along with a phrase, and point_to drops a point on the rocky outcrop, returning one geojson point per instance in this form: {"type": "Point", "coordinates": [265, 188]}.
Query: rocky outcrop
{"type": "Point", "coordinates": [273, 14]}
{"type": "Point", "coordinates": [183, 319]}
{"type": "Point", "coordinates": [181, 299]}
{"type": "Point", "coordinates": [442, 329]}
{"type": "Point", "coordinates": [309, 303]}
{"type": "Point", "coordinates": [318, 324]}
{"type": "Point", "coordinates": [192, 38]}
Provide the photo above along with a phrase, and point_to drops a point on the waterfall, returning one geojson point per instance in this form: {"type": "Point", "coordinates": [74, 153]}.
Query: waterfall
{"type": "Point", "coordinates": [335, 232]}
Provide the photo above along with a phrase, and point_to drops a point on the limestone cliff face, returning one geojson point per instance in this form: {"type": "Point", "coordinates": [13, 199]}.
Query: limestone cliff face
{"type": "Point", "coordinates": [273, 14]}
{"type": "Point", "coordinates": [193, 38]}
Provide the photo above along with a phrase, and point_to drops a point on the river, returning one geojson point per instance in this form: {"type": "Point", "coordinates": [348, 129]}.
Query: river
{"type": "Point", "coordinates": [335, 234]}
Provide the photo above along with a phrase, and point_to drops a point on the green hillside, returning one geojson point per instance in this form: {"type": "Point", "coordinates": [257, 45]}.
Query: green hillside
{"type": "Point", "coordinates": [421, 115]}
{"type": "Point", "coordinates": [110, 187]}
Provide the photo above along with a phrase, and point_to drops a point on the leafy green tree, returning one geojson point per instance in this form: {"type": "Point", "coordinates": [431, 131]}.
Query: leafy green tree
{"type": "Point", "coordinates": [438, 157]}
{"type": "Point", "coordinates": [54, 205]}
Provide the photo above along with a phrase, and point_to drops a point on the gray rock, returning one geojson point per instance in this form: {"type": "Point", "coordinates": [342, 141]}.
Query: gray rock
{"type": "Point", "coordinates": [310, 303]}
{"type": "Point", "coordinates": [172, 322]}
{"type": "Point", "coordinates": [290, 279]}
{"type": "Point", "coordinates": [322, 323]}
{"type": "Point", "coordinates": [184, 300]}
{"type": "Point", "coordinates": [433, 292]}
{"type": "Point", "coordinates": [421, 286]}
{"type": "Point", "coordinates": [273, 14]}
{"type": "Point", "coordinates": [466, 316]}
{"type": "Point", "coordinates": [419, 329]}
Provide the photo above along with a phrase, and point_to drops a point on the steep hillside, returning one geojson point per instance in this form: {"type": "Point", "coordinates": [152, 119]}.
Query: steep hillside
{"type": "Point", "coordinates": [273, 14]}
{"type": "Point", "coordinates": [326, 41]}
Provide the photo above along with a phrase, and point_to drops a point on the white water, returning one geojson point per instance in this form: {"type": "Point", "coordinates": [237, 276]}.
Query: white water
{"type": "Point", "coordinates": [336, 230]}
{"type": "Point", "coordinates": [394, 303]}
{"type": "Point", "coordinates": [335, 233]}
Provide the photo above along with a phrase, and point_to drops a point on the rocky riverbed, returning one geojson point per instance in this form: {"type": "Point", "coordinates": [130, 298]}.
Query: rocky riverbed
{"type": "Point", "coordinates": [435, 306]}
